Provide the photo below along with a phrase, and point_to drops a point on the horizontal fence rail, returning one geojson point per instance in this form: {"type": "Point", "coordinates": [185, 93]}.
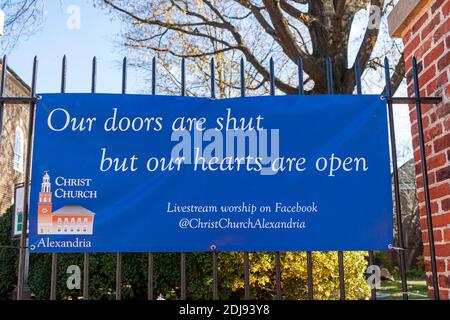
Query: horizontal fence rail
{"type": "Point", "coordinates": [390, 101]}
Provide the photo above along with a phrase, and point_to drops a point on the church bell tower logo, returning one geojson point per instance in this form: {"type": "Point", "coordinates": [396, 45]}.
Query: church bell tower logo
{"type": "Point", "coordinates": [69, 219]}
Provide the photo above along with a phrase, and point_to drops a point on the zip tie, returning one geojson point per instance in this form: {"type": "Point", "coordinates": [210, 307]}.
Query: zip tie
{"type": "Point", "coordinates": [391, 247]}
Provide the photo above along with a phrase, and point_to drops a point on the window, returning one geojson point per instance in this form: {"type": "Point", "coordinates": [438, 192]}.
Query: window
{"type": "Point", "coordinates": [18, 150]}
{"type": "Point", "coordinates": [59, 221]}
{"type": "Point", "coordinates": [79, 220]}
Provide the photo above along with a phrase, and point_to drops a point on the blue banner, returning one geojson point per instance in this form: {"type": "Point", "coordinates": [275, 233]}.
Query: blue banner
{"type": "Point", "coordinates": [139, 173]}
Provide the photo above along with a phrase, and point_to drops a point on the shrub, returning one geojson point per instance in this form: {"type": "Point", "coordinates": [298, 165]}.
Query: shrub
{"type": "Point", "coordinates": [9, 254]}
{"type": "Point", "coordinates": [102, 267]}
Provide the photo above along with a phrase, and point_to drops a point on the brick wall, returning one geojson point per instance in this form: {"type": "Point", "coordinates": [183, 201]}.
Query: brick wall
{"type": "Point", "coordinates": [14, 116]}
{"type": "Point", "coordinates": [427, 37]}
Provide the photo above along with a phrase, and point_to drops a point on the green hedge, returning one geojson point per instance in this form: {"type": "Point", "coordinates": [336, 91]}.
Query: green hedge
{"type": "Point", "coordinates": [198, 271]}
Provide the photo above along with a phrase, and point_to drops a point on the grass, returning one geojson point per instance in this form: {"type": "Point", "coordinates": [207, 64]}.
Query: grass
{"type": "Point", "coordinates": [392, 290]}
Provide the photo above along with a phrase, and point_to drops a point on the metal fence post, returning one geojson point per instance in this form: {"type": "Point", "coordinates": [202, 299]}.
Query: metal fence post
{"type": "Point", "coordinates": [330, 86]}
{"type": "Point", "coordinates": [246, 254]}
{"type": "Point", "coordinates": [2, 93]}
{"type": "Point", "coordinates": [398, 210]}
{"type": "Point", "coordinates": [277, 254]}
{"type": "Point", "coordinates": [119, 254]}
{"type": "Point", "coordinates": [23, 235]}
{"type": "Point", "coordinates": [183, 254]}
{"type": "Point", "coordinates": [309, 267]}
{"type": "Point", "coordinates": [54, 274]}
{"type": "Point", "coordinates": [357, 67]}
{"type": "Point", "coordinates": [426, 190]}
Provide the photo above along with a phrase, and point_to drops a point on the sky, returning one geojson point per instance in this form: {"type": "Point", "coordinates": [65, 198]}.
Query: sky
{"type": "Point", "coordinates": [96, 36]}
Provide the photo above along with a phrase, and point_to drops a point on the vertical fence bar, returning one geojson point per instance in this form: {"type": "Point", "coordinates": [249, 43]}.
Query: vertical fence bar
{"type": "Point", "coordinates": [183, 254]}
{"type": "Point", "coordinates": [2, 92]}
{"type": "Point", "coordinates": [242, 71]}
{"type": "Point", "coordinates": [183, 275]}
{"type": "Point", "coordinates": [94, 75]}
{"type": "Point", "coordinates": [154, 75]}
{"type": "Point", "coordinates": [373, 290]}
{"type": "Point", "coordinates": [150, 270]}
{"type": "Point", "coordinates": [150, 277]}
{"type": "Point", "coordinates": [300, 76]}
{"type": "Point", "coordinates": [330, 86]}
{"type": "Point", "coordinates": [301, 90]}
{"type": "Point", "coordinates": [86, 254]}
{"type": "Point", "coordinates": [426, 190]}
{"type": "Point", "coordinates": [213, 247]}
{"type": "Point", "coordinates": [398, 210]}
{"type": "Point", "coordinates": [118, 275]}
{"type": "Point", "coordinates": [358, 75]}
{"type": "Point", "coordinates": [23, 235]}
{"type": "Point", "coordinates": [309, 269]}
{"type": "Point", "coordinates": [341, 275]}
{"type": "Point", "coordinates": [246, 254]}
{"type": "Point", "coordinates": [213, 79]}
{"type": "Point", "coordinates": [54, 274]}
{"type": "Point", "coordinates": [272, 77]}
{"type": "Point", "coordinates": [215, 274]}
{"type": "Point", "coordinates": [277, 254]}
{"type": "Point", "coordinates": [119, 254]}
{"type": "Point", "coordinates": [183, 77]}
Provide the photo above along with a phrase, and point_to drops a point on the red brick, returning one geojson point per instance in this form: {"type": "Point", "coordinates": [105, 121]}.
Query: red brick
{"type": "Point", "coordinates": [434, 208]}
{"type": "Point", "coordinates": [436, 161]}
{"type": "Point", "coordinates": [442, 250]}
{"type": "Point", "coordinates": [440, 265]}
{"type": "Point", "coordinates": [445, 205]}
{"type": "Point", "coordinates": [437, 83]}
{"type": "Point", "coordinates": [443, 174]}
{"type": "Point", "coordinates": [444, 61]}
{"type": "Point", "coordinates": [447, 124]}
{"type": "Point", "coordinates": [419, 179]}
{"type": "Point", "coordinates": [433, 132]}
{"type": "Point", "coordinates": [423, 48]}
{"type": "Point", "coordinates": [443, 110]}
{"type": "Point", "coordinates": [444, 281]}
{"type": "Point", "coordinates": [441, 143]}
{"type": "Point", "coordinates": [441, 220]}
{"type": "Point", "coordinates": [447, 235]}
{"type": "Point", "coordinates": [440, 191]}
{"type": "Point", "coordinates": [430, 26]}
{"type": "Point", "coordinates": [431, 87]}
{"type": "Point", "coordinates": [428, 75]}
{"type": "Point", "coordinates": [446, 9]}
{"type": "Point", "coordinates": [422, 20]}
{"type": "Point", "coordinates": [437, 5]}
{"type": "Point", "coordinates": [444, 294]}
{"type": "Point", "coordinates": [441, 31]}
{"type": "Point", "coordinates": [437, 236]}
{"type": "Point", "coordinates": [411, 47]}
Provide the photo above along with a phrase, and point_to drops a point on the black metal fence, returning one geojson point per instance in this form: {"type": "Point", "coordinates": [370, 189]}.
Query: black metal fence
{"type": "Point", "coordinates": [390, 101]}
